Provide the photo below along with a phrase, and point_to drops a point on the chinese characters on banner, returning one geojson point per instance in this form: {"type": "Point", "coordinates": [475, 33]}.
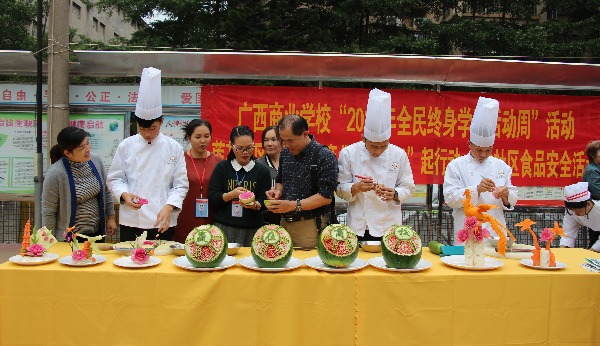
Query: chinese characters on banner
{"type": "Point", "coordinates": [541, 137]}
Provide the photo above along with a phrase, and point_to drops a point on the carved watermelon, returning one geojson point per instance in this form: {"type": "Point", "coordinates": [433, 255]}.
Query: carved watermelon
{"type": "Point", "coordinates": [247, 197]}
{"type": "Point", "coordinates": [337, 246]}
{"type": "Point", "coordinates": [206, 246]}
{"type": "Point", "coordinates": [401, 247]}
{"type": "Point", "coordinates": [271, 247]}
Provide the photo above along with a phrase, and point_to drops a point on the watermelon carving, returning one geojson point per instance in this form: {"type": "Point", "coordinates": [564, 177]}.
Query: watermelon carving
{"type": "Point", "coordinates": [247, 197]}
{"type": "Point", "coordinates": [401, 247]}
{"type": "Point", "coordinates": [271, 247]}
{"type": "Point", "coordinates": [337, 246]}
{"type": "Point", "coordinates": [206, 246]}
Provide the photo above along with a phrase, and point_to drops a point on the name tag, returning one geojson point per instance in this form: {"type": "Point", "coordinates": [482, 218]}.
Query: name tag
{"type": "Point", "coordinates": [236, 209]}
{"type": "Point", "coordinates": [201, 207]}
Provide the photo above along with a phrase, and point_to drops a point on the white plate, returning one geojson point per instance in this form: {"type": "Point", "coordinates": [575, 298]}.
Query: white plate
{"type": "Point", "coordinates": [126, 262]}
{"type": "Point", "coordinates": [528, 262]}
{"type": "Point", "coordinates": [458, 261]}
{"type": "Point", "coordinates": [316, 263]}
{"type": "Point", "coordinates": [182, 262]}
{"type": "Point", "coordinates": [379, 262]}
{"type": "Point", "coordinates": [68, 260]}
{"type": "Point", "coordinates": [248, 262]}
{"type": "Point", "coordinates": [33, 261]}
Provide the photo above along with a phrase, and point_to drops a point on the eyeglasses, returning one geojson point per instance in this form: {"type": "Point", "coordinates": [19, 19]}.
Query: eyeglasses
{"type": "Point", "coordinates": [243, 150]}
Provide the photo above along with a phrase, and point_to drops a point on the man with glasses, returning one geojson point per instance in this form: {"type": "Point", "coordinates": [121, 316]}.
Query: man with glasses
{"type": "Point", "coordinates": [375, 176]}
{"type": "Point", "coordinates": [301, 196]}
{"type": "Point", "coordinates": [580, 210]}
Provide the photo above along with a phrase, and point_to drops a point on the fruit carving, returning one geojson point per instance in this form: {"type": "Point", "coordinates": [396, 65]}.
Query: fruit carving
{"type": "Point", "coordinates": [271, 247]}
{"type": "Point", "coordinates": [247, 197]}
{"type": "Point", "coordinates": [206, 246]}
{"type": "Point", "coordinates": [337, 246]}
{"type": "Point", "coordinates": [401, 247]}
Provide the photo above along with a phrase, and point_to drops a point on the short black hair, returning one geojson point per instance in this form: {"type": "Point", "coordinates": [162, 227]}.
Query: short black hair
{"type": "Point", "coordinates": [146, 124]}
{"type": "Point", "coordinates": [297, 123]}
{"type": "Point", "coordinates": [592, 150]}
{"type": "Point", "coordinates": [576, 205]}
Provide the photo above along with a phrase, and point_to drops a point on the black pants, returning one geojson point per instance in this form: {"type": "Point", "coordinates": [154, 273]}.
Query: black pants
{"type": "Point", "coordinates": [368, 237]}
{"type": "Point", "coordinates": [592, 236]}
{"type": "Point", "coordinates": [271, 218]}
{"type": "Point", "coordinates": [130, 233]}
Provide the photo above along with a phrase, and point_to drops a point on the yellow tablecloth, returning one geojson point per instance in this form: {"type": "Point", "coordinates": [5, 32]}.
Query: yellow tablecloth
{"type": "Point", "coordinates": [54, 304]}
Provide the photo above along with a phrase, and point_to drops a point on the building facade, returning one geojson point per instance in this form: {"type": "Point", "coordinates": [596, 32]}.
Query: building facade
{"type": "Point", "coordinates": [99, 26]}
{"type": "Point", "coordinates": [90, 22]}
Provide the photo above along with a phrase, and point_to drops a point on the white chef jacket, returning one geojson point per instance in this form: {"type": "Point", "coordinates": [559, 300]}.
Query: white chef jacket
{"type": "Point", "coordinates": [366, 209]}
{"type": "Point", "coordinates": [466, 172]}
{"type": "Point", "coordinates": [572, 223]}
{"type": "Point", "coordinates": [153, 171]}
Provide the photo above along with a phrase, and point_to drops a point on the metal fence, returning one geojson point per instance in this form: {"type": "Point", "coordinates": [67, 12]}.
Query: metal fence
{"type": "Point", "coordinates": [431, 224]}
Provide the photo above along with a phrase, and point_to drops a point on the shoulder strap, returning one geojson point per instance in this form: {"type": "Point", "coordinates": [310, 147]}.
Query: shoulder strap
{"type": "Point", "coordinates": [314, 170]}
{"type": "Point", "coordinates": [73, 192]}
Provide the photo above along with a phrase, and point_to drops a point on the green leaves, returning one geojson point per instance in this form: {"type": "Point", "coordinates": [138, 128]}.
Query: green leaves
{"type": "Point", "coordinates": [15, 17]}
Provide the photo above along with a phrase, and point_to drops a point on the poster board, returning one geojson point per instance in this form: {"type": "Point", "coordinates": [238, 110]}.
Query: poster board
{"type": "Point", "coordinates": [173, 127]}
{"type": "Point", "coordinates": [18, 145]}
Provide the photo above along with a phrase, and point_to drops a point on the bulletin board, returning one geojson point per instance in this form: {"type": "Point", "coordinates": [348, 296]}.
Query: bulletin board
{"type": "Point", "coordinates": [18, 145]}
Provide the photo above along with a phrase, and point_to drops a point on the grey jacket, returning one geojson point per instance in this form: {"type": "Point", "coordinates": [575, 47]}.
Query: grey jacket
{"type": "Point", "coordinates": [56, 197]}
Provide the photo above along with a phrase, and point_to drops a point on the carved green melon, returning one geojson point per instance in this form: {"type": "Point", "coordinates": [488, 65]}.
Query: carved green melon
{"type": "Point", "coordinates": [206, 246]}
{"type": "Point", "coordinates": [337, 246]}
{"type": "Point", "coordinates": [401, 247]}
{"type": "Point", "coordinates": [271, 247]}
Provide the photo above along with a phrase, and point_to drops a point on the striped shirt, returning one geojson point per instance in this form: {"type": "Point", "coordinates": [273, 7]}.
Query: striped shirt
{"type": "Point", "coordinates": [294, 175]}
{"type": "Point", "coordinates": [87, 188]}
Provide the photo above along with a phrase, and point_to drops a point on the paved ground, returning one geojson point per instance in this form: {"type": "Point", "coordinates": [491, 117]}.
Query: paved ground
{"type": "Point", "coordinates": [8, 250]}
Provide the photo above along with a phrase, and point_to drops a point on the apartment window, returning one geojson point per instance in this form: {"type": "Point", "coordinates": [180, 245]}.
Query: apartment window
{"type": "Point", "coordinates": [95, 24]}
{"type": "Point", "coordinates": [76, 10]}
{"type": "Point", "coordinates": [534, 11]}
{"type": "Point", "coordinates": [420, 36]}
{"type": "Point", "coordinates": [552, 13]}
{"type": "Point", "coordinates": [102, 29]}
{"type": "Point", "coordinates": [116, 35]}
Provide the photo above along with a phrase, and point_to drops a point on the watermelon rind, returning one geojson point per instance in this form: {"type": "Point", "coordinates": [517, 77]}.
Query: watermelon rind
{"type": "Point", "coordinates": [206, 246]}
{"type": "Point", "coordinates": [271, 247]}
{"type": "Point", "coordinates": [401, 247]}
{"type": "Point", "coordinates": [341, 238]}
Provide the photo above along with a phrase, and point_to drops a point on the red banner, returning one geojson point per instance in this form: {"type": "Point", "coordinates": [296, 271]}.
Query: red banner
{"type": "Point", "coordinates": [541, 137]}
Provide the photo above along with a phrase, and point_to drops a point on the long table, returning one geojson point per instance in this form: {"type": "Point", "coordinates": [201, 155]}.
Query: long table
{"type": "Point", "coordinates": [54, 304]}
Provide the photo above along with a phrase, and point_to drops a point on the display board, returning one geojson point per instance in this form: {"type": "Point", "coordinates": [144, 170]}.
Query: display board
{"type": "Point", "coordinates": [18, 145]}
{"type": "Point", "coordinates": [173, 127]}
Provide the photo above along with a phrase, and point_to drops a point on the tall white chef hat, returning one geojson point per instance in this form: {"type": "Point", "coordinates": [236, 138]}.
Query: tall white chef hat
{"type": "Point", "coordinates": [149, 103]}
{"type": "Point", "coordinates": [483, 125]}
{"type": "Point", "coordinates": [378, 122]}
{"type": "Point", "coordinates": [577, 192]}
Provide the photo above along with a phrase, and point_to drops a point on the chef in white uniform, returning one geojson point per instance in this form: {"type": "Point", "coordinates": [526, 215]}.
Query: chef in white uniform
{"type": "Point", "coordinates": [374, 176]}
{"type": "Point", "coordinates": [487, 177]}
{"type": "Point", "coordinates": [580, 210]}
{"type": "Point", "coordinates": [148, 173]}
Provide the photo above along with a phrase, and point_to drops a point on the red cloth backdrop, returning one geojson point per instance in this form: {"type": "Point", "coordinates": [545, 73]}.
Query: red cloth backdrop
{"type": "Point", "coordinates": [541, 137]}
